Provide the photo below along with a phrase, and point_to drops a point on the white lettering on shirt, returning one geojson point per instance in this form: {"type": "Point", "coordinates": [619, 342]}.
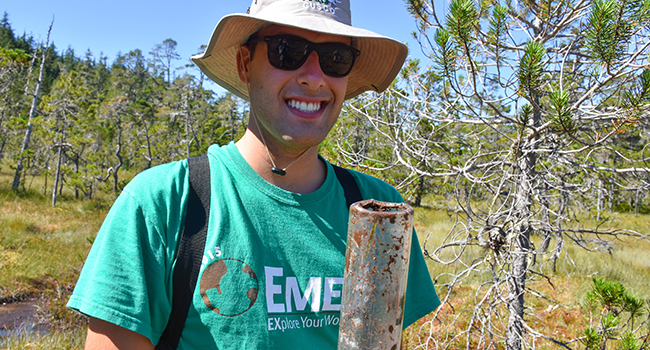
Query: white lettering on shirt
{"type": "Point", "coordinates": [293, 296]}
{"type": "Point", "coordinates": [330, 293]}
{"type": "Point", "coordinates": [272, 289]}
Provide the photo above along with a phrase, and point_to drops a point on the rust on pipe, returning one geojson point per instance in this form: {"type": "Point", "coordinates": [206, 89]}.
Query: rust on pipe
{"type": "Point", "coordinates": [376, 271]}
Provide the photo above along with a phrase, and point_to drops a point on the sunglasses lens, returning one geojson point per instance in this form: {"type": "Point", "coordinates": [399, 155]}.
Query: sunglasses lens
{"type": "Point", "coordinates": [290, 53]}
{"type": "Point", "coordinates": [287, 53]}
{"type": "Point", "coordinates": [336, 60]}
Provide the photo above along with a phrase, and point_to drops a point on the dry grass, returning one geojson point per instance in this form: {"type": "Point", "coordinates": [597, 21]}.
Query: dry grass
{"type": "Point", "coordinates": [40, 245]}
{"type": "Point", "coordinates": [41, 252]}
{"type": "Point", "coordinates": [52, 340]}
{"type": "Point", "coordinates": [558, 314]}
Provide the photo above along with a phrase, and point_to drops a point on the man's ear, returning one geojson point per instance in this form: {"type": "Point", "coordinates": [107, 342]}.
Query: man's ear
{"type": "Point", "coordinates": [243, 64]}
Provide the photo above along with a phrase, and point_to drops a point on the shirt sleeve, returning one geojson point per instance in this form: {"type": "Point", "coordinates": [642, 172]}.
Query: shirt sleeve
{"type": "Point", "coordinates": [126, 277]}
{"type": "Point", "coordinates": [421, 298]}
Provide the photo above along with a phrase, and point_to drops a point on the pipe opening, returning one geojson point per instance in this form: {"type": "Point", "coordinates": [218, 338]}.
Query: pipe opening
{"type": "Point", "coordinates": [372, 205]}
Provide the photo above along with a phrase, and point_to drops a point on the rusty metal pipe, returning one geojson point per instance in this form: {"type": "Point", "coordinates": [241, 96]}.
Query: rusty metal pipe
{"type": "Point", "coordinates": [376, 271]}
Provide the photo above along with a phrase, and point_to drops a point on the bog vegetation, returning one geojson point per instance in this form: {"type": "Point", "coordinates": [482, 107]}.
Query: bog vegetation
{"type": "Point", "coordinates": [526, 143]}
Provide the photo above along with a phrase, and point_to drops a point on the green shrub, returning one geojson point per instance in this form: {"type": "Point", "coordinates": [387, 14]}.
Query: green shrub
{"type": "Point", "coordinates": [614, 316]}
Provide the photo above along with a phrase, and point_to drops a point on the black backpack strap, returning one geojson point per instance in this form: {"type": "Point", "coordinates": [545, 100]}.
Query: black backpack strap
{"type": "Point", "coordinates": [350, 186]}
{"type": "Point", "coordinates": [192, 243]}
{"type": "Point", "coordinates": [190, 251]}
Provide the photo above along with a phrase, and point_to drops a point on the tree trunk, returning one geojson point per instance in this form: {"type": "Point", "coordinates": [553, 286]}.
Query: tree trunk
{"type": "Point", "coordinates": [599, 202]}
{"type": "Point", "coordinates": [419, 192]}
{"type": "Point", "coordinates": [61, 183]}
{"type": "Point", "coordinates": [232, 125]}
{"type": "Point", "coordinates": [32, 112]}
{"type": "Point", "coordinates": [562, 201]}
{"type": "Point", "coordinates": [546, 230]}
{"type": "Point", "coordinates": [76, 187]}
{"type": "Point", "coordinates": [611, 197]}
{"type": "Point", "coordinates": [2, 115]}
{"type": "Point", "coordinates": [187, 124]}
{"type": "Point", "coordinates": [517, 278]}
{"type": "Point", "coordinates": [148, 138]}
{"type": "Point", "coordinates": [47, 174]}
{"type": "Point", "coordinates": [2, 146]}
{"type": "Point", "coordinates": [118, 154]}
{"type": "Point", "coordinates": [58, 172]}
{"type": "Point", "coordinates": [521, 248]}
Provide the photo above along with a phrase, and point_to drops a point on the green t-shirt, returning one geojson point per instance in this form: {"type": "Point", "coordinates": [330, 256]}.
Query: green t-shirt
{"type": "Point", "coordinates": [272, 269]}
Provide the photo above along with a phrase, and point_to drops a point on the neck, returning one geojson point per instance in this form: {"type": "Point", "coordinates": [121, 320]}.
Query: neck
{"type": "Point", "coordinates": [306, 173]}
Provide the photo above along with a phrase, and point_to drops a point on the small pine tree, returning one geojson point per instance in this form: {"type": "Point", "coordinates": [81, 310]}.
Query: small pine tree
{"type": "Point", "coordinates": [613, 312]}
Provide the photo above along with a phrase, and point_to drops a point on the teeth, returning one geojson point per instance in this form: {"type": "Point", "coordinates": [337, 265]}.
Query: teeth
{"type": "Point", "coordinates": [304, 106]}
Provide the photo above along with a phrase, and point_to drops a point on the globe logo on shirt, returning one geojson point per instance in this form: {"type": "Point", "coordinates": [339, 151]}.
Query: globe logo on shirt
{"type": "Point", "coordinates": [229, 287]}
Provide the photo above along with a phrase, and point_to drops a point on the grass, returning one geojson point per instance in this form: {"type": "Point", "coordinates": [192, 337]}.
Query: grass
{"type": "Point", "coordinates": [554, 309]}
{"type": "Point", "coordinates": [54, 339]}
{"type": "Point", "coordinates": [42, 249]}
{"type": "Point", "coordinates": [41, 246]}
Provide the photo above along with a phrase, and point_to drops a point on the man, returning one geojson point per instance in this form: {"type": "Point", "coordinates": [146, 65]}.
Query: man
{"type": "Point", "coordinates": [273, 264]}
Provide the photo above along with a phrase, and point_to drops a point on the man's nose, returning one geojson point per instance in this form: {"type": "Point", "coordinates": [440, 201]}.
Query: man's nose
{"type": "Point", "coordinates": [311, 73]}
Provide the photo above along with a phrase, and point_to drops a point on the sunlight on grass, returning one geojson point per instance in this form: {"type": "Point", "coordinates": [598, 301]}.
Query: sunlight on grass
{"type": "Point", "coordinates": [558, 313]}
{"type": "Point", "coordinates": [39, 243]}
{"type": "Point", "coordinates": [50, 340]}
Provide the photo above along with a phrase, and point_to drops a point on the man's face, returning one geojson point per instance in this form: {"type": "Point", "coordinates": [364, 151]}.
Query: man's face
{"type": "Point", "coordinates": [295, 109]}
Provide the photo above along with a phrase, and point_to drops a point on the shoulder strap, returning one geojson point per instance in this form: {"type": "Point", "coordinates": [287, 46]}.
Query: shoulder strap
{"type": "Point", "coordinates": [350, 186]}
{"type": "Point", "coordinates": [190, 251]}
{"type": "Point", "coordinates": [192, 243]}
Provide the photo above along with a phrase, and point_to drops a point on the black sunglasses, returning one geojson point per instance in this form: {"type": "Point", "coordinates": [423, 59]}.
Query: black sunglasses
{"type": "Point", "coordinates": [289, 53]}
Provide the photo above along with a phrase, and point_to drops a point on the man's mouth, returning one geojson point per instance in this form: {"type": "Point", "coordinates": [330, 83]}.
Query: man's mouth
{"type": "Point", "coordinates": [305, 106]}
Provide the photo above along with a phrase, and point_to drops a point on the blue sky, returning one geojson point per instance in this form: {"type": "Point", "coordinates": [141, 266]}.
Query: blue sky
{"type": "Point", "coordinates": [121, 26]}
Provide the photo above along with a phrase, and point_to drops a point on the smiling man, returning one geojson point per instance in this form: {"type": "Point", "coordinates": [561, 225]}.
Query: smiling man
{"type": "Point", "coordinates": [293, 107]}
{"type": "Point", "coordinates": [272, 266]}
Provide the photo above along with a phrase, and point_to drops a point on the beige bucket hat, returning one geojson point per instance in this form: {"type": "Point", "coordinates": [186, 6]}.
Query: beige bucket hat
{"type": "Point", "coordinates": [379, 62]}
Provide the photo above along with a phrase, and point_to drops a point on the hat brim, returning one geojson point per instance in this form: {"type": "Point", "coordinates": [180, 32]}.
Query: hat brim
{"type": "Point", "coordinates": [378, 64]}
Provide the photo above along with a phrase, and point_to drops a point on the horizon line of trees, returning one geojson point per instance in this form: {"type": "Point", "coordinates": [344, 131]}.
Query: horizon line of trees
{"type": "Point", "coordinates": [91, 119]}
{"type": "Point", "coordinates": [78, 121]}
